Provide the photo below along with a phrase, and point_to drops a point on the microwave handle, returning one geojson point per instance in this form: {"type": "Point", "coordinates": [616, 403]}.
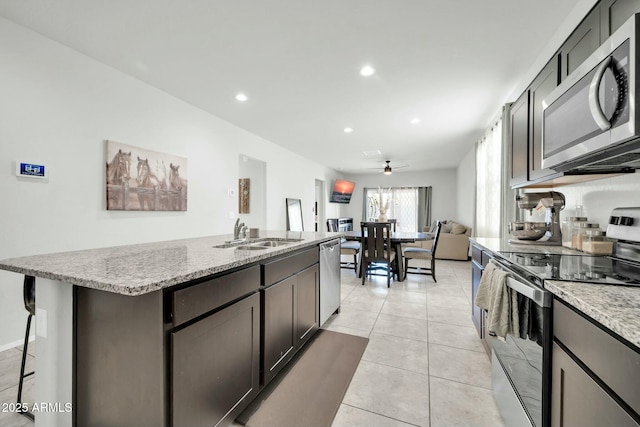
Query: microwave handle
{"type": "Point", "coordinates": [594, 101]}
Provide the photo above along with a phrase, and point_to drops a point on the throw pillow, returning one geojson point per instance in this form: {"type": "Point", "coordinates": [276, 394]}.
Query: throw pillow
{"type": "Point", "coordinates": [458, 228]}
{"type": "Point", "coordinates": [446, 227]}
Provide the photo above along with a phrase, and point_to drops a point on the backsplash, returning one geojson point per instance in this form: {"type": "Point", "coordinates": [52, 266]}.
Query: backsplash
{"type": "Point", "coordinates": [597, 198]}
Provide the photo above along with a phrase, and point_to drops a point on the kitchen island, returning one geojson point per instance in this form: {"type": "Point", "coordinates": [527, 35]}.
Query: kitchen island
{"type": "Point", "coordinates": [184, 332]}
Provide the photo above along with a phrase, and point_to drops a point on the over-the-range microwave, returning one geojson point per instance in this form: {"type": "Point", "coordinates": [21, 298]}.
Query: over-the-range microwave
{"type": "Point", "coordinates": [591, 122]}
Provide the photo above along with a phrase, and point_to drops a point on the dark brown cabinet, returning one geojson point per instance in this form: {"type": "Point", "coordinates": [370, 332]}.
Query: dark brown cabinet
{"type": "Point", "coordinates": [595, 376]}
{"type": "Point", "coordinates": [584, 40]}
{"type": "Point", "coordinates": [541, 87]}
{"type": "Point", "coordinates": [308, 305]}
{"type": "Point", "coordinates": [290, 309]}
{"type": "Point", "coordinates": [279, 326]}
{"type": "Point", "coordinates": [526, 128]}
{"type": "Point", "coordinates": [215, 365]}
{"type": "Point", "coordinates": [519, 140]}
{"type": "Point", "coordinates": [614, 13]}
{"type": "Point", "coordinates": [577, 399]}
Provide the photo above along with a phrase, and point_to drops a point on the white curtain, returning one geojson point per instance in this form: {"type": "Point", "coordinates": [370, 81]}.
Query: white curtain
{"type": "Point", "coordinates": [402, 206]}
{"type": "Point", "coordinates": [489, 182]}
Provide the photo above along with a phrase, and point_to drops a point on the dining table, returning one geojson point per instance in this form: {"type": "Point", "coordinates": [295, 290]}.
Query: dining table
{"type": "Point", "coordinates": [397, 239]}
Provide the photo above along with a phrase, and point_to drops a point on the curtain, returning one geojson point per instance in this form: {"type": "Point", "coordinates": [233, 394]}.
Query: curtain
{"type": "Point", "coordinates": [402, 203]}
{"type": "Point", "coordinates": [424, 207]}
{"type": "Point", "coordinates": [489, 182]}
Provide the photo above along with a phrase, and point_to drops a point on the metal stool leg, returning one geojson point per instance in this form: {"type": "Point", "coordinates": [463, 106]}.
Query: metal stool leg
{"type": "Point", "coordinates": [24, 363]}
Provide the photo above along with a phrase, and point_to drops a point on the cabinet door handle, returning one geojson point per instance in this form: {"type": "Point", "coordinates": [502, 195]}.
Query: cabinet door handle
{"type": "Point", "coordinates": [594, 90]}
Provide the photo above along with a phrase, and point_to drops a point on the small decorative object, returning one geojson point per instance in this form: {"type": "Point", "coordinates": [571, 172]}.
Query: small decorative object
{"type": "Point", "coordinates": [384, 206]}
{"type": "Point", "coordinates": [157, 186]}
{"type": "Point", "coordinates": [243, 195]}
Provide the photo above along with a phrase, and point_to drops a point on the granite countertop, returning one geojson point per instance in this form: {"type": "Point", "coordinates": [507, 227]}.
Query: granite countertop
{"type": "Point", "coordinates": [143, 268]}
{"type": "Point", "coordinates": [614, 307]}
{"type": "Point", "coordinates": [501, 245]}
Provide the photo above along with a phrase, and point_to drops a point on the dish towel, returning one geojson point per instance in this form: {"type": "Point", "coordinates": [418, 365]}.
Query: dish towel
{"type": "Point", "coordinates": [500, 302]}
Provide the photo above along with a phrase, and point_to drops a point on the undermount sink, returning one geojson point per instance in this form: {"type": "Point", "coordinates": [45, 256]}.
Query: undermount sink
{"type": "Point", "coordinates": [250, 247]}
{"type": "Point", "coordinates": [258, 244]}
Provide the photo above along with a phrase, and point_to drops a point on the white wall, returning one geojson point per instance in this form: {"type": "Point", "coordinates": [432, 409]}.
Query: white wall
{"type": "Point", "coordinates": [443, 182]}
{"type": "Point", "coordinates": [59, 106]}
{"type": "Point", "coordinates": [598, 198]}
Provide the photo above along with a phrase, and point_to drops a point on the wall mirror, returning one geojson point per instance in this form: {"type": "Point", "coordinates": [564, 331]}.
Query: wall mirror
{"type": "Point", "coordinates": [294, 215]}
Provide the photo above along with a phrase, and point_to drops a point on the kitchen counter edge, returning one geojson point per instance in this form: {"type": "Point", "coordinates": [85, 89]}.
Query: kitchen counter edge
{"type": "Point", "coordinates": [143, 268]}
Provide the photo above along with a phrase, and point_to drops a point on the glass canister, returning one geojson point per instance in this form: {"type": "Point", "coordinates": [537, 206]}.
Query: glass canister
{"type": "Point", "coordinates": [578, 232]}
{"type": "Point", "coordinates": [567, 229]}
{"type": "Point", "coordinates": [594, 241]}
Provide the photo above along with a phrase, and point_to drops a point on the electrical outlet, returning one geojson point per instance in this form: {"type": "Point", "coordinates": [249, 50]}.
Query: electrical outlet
{"type": "Point", "coordinates": [232, 215]}
{"type": "Point", "coordinates": [232, 192]}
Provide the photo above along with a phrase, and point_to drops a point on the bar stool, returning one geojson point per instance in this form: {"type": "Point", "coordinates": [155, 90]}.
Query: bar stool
{"type": "Point", "coordinates": [29, 295]}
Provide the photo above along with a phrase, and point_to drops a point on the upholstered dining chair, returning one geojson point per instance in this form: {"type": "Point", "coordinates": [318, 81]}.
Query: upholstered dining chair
{"type": "Point", "coordinates": [347, 247]}
{"type": "Point", "coordinates": [411, 252]}
{"type": "Point", "coordinates": [375, 242]}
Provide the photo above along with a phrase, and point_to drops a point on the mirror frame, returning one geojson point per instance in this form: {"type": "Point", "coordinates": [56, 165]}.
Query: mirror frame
{"type": "Point", "coordinates": [294, 214]}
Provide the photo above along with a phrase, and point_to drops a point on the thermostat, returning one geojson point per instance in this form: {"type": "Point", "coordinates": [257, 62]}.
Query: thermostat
{"type": "Point", "coordinates": [31, 170]}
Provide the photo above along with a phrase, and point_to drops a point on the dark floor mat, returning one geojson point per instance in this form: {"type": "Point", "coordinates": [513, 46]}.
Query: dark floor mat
{"type": "Point", "coordinates": [309, 392]}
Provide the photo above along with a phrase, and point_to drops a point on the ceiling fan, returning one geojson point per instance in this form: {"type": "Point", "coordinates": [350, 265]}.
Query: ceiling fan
{"type": "Point", "coordinates": [387, 167]}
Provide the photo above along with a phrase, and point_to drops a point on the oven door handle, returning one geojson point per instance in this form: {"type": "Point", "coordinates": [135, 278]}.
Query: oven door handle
{"type": "Point", "coordinates": [540, 297]}
{"type": "Point", "coordinates": [534, 293]}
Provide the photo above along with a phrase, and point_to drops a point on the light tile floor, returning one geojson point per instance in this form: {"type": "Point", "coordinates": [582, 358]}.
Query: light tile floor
{"type": "Point", "coordinates": [10, 361]}
{"type": "Point", "coordinates": [424, 364]}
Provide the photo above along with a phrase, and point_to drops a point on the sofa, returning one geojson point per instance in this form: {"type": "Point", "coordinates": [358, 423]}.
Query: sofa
{"type": "Point", "coordinates": [453, 243]}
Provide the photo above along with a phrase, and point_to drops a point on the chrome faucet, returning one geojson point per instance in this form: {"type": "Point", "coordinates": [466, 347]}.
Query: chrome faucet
{"type": "Point", "coordinates": [237, 228]}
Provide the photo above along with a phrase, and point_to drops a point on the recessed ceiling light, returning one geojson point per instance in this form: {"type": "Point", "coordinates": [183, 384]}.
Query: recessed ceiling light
{"type": "Point", "coordinates": [348, 130]}
{"type": "Point", "coordinates": [367, 71]}
{"type": "Point", "coordinates": [241, 97]}
{"type": "Point", "coordinates": [415, 121]}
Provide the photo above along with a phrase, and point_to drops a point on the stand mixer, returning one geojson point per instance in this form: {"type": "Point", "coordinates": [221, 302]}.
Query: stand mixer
{"type": "Point", "coordinates": [539, 233]}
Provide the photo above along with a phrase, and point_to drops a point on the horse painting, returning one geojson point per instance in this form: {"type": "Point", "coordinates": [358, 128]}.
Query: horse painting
{"type": "Point", "coordinates": [118, 173]}
{"type": "Point", "coordinates": [146, 179]}
{"type": "Point", "coordinates": [154, 185]}
{"type": "Point", "coordinates": [175, 181]}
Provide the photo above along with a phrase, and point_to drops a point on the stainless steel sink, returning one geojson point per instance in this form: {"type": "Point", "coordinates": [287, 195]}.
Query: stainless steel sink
{"type": "Point", "coordinates": [250, 247]}
{"type": "Point", "coordinates": [258, 244]}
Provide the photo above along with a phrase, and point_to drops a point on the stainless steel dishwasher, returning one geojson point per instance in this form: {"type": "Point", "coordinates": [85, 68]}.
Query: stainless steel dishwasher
{"type": "Point", "coordinates": [329, 279]}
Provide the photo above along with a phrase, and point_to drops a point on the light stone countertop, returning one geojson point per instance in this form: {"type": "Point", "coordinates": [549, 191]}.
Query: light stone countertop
{"type": "Point", "coordinates": [500, 245]}
{"type": "Point", "coordinates": [615, 307]}
{"type": "Point", "coordinates": [143, 268]}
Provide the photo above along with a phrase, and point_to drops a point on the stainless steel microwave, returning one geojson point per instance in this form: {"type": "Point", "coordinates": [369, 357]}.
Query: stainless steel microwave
{"type": "Point", "coordinates": [590, 121]}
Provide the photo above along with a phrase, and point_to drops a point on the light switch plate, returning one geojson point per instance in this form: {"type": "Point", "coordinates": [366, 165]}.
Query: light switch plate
{"type": "Point", "coordinates": [232, 192]}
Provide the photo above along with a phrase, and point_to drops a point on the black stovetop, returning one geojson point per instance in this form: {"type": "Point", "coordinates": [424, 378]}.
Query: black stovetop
{"type": "Point", "coordinates": [576, 268]}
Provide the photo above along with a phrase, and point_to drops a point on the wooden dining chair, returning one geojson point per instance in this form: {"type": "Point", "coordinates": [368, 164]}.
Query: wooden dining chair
{"type": "Point", "coordinates": [375, 241]}
{"type": "Point", "coordinates": [411, 252]}
{"type": "Point", "coordinates": [351, 248]}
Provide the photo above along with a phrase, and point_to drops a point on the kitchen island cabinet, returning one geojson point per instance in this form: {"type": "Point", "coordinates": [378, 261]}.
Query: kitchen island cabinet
{"type": "Point", "coordinates": [290, 308]}
{"type": "Point", "coordinates": [164, 334]}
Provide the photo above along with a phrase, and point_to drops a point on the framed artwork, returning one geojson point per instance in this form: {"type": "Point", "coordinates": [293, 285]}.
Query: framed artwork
{"type": "Point", "coordinates": [144, 180]}
{"type": "Point", "coordinates": [243, 195]}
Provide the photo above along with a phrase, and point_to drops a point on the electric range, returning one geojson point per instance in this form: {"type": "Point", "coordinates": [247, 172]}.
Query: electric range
{"type": "Point", "coordinates": [621, 268]}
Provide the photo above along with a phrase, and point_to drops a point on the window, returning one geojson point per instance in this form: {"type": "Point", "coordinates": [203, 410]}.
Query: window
{"type": "Point", "coordinates": [401, 203]}
{"type": "Point", "coordinates": [489, 183]}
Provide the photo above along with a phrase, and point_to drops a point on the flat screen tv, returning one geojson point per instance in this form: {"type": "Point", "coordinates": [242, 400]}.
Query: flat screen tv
{"type": "Point", "coordinates": [342, 191]}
